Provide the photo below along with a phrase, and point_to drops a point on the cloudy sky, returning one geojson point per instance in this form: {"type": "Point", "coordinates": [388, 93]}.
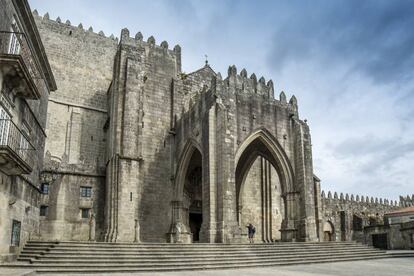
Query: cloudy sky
{"type": "Point", "coordinates": [349, 63]}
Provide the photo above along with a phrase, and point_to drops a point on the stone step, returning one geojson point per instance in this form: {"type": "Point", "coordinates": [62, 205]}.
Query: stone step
{"type": "Point", "coordinates": [159, 267]}
{"type": "Point", "coordinates": [211, 259]}
{"type": "Point", "coordinates": [152, 245]}
{"type": "Point", "coordinates": [61, 255]}
{"type": "Point", "coordinates": [96, 257]}
{"type": "Point", "coordinates": [187, 248]}
{"type": "Point", "coordinates": [189, 251]}
{"type": "Point", "coordinates": [199, 263]}
{"type": "Point", "coordinates": [89, 254]}
{"type": "Point", "coordinates": [187, 244]}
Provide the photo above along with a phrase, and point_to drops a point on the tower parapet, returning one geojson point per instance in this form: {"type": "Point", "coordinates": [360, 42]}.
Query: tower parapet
{"type": "Point", "coordinates": [67, 28]}
{"type": "Point", "coordinates": [357, 199]}
{"type": "Point", "coordinates": [407, 201]}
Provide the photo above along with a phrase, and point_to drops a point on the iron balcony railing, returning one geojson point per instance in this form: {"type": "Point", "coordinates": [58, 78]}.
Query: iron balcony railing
{"type": "Point", "coordinates": [16, 44]}
{"type": "Point", "coordinates": [14, 141]}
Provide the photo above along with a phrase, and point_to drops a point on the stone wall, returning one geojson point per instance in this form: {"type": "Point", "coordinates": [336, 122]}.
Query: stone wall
{"type": "Point", "coordinates": [75, 149]}
{"type": "Point", "coordinates": [369, 211]}
{"type": "Point", "coordinates": [19, 201]}
{"type": "Point", "coordinates": [19, 194]}
{"type": "Point", "coordinates": [63, 220]}
{"type": "Point", "coordinates": [82, 64]}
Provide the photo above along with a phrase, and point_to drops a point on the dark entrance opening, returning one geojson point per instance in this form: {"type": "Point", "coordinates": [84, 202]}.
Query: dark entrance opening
{"type": "Point", "coordinates": [195, 225]}
{"type": "Point", "coordinates": [193, 195]}
{"type": "Point", "coordinates": [380, 241]}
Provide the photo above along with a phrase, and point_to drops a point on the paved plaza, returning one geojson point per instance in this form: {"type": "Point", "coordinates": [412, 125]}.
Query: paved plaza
{"type": "Point", "coordinates": [379, 267]}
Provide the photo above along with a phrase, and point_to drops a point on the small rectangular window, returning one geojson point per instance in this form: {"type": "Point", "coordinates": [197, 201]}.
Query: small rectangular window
{"type": "Point", "coordinates": [85, 191]}
{"type": "Point", "coordinates": [84, 213]}
{"type": "Point", "coordinates": [44, 210]}
{"type": "Point", "coordinates": [45, 188]}
{"type": "Point", "coordinates": [15, 238]}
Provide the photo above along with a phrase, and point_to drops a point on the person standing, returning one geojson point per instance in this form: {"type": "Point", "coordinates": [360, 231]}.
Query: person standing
{"type": "Point", "coordinates": [251, 230]}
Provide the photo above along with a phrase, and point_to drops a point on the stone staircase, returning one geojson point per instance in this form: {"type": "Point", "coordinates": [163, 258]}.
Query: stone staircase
{"type": "Point", "coordinates": [97, 257]}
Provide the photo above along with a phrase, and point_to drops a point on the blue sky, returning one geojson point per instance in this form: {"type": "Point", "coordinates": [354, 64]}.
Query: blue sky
{"type": "Point", "coordinates": [349, 63]}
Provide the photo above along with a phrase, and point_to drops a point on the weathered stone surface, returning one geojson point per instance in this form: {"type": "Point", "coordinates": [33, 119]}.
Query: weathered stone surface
{"type": "Point", "coordinates": [168, 156]}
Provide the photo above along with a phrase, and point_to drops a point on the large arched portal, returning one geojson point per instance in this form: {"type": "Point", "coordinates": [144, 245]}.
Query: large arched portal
{"type": "Point", "coordinates": [264, 181]}
{"type": "Point", "coordinates": [260, 201]}
{"type": "Point", "coordinates": [192, 200]}
{"type": "Point", "coordinates": [187, 215]}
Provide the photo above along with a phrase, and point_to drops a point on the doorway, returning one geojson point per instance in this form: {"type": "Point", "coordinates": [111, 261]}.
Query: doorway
{"type": "Point", "coordinates": [196, 220]}
{"type": "Point", "coordinates": [380, 241]}
{"type": "Point", "coordinates": [193, 196]}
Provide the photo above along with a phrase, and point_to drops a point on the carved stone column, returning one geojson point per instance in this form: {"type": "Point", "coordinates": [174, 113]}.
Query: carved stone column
{"type": "Point", "coordinates": [179, 232]}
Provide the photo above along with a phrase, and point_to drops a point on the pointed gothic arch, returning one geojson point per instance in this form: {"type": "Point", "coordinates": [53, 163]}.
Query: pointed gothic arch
{"type": "Point", "coordinates": [262, 143]}
{"type": "Point", "coordinates": [189, 148]}
{"type": "Point", "coordinates": [186, 204]}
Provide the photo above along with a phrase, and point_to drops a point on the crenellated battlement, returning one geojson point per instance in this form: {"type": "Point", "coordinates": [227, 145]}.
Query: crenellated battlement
{"type": "Point", "coordinates": [407, 201]}
{"type": "Point", "coordinates": [70, 27]}
{"type": "Point", "coordinates": [139, 39]}
{"type": "Point", "coordinates": [358, 199]}
{"type": "Point", "coordinates": [250, 84]}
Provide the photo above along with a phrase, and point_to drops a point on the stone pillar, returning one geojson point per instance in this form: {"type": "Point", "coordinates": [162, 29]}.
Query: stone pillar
{"type": "Point", "coordinates": [304, 181]}
{"type": "Point", "coordinates": [178, 231]}
{"type": "Point", "coordinates": [208, 232]}
{"type": "Point", "coordinates": [289, 230]}
{"type": "Point", "coordinates": [123, 169]}
{"type": "Point", "coordinates": [318, 209]}
{"type": "Point", "coordinates": [266, 196]}
{"type": "Point", "coordinates": [228, 228]}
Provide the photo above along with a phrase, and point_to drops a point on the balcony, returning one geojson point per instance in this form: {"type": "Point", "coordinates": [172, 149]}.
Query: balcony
{"type": "Point", "coordinates": [19, 70]}
{"type": "Point", "coordinates": [16, 152]}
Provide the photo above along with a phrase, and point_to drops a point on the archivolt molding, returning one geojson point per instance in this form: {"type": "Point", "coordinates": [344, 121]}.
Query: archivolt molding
{"type": "Point", "coordinates": [278, 157]}
{"type": "Point", "coordinates": [184, 160]}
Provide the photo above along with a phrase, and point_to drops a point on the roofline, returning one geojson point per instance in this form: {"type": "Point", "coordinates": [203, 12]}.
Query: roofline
{"type": "Point", "coordinates": [202, 68]}
{"type": "Point", "coordinates": [25, 14]}
{"type": "Point", "coordinates": [316, 178]}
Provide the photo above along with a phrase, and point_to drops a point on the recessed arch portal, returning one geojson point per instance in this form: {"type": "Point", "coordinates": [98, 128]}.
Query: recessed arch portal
{"type": "Point", "coordinates": [187, 206]}
{"type": "Point", "coordinates": [190, 148]}
{"type": "Point", "coordinates": [262, 156]}
{"type": "Point", "coordinates": [262, 143]}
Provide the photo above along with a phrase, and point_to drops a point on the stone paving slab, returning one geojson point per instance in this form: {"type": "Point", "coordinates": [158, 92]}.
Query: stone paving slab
{"type": "Point", "coordinates": [16, 272]}
{"type": "Point", "coordinates": [380, 267]}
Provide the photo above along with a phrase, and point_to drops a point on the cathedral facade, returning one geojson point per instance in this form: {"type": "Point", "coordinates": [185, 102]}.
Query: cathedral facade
{"type": "Point", "coordinates": [170, 156]}
{"type": "Point", "coordinates": [133, 149]}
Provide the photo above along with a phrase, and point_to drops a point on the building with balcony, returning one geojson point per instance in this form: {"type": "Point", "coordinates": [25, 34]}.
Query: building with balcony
{"type": "Point", "coordinates": [25, 82]}
{"type": "Point", "coordinates": [138, 150]}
